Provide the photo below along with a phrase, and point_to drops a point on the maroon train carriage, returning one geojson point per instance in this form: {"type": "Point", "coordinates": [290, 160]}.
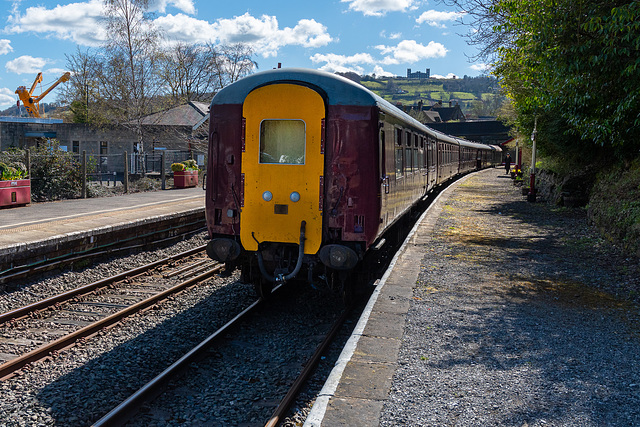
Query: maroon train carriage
{"type": "Point", "coordinates": [307, 170]}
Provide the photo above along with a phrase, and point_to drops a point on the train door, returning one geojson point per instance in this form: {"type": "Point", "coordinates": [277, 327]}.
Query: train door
{"type": "Point", "coordinates": [431, 160]}
{"type": "Point", "coordinates": [382, 165]}
{"type": "Point", "coordinates": [384, 176]}
{"type": "Point", "coordinates": [282, 166]}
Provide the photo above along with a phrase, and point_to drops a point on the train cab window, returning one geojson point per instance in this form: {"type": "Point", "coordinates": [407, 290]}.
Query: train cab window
{"type": "Point", "coordinates": [282, 142]}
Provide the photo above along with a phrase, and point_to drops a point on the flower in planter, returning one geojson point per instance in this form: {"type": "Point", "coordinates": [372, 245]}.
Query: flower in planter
{"type": "Point", "coordinates": [190, 165]}
{"type": "Point", "coordinates": [177, 167]}
{"type": "Point", "coordinates": [12, 172]}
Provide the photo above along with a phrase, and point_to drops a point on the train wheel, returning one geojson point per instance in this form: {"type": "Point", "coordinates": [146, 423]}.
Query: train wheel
{"type": "Point", "coordinates": [263, 288]}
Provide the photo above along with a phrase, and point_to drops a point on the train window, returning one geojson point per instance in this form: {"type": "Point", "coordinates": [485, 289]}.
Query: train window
{"type": "Point", "coordinates": [282, 141]}
{"type": "Point", "coordinates": [407, 158]}
{"type": "Point", "coordinates": [415, 140]}
{"type": "Point", "coordinates": [399, 136]}
{"type": "Point", "coordinates": [398, 162]}
{"type": "Point", "coordinates": [416, 163]}
{"type": "Point", "coordinates": [408, 139]}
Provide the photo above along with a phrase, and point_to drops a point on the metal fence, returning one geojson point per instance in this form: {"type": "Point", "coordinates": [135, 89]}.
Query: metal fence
{"type": "Point", "coordinates": [60, 175]}
{"type": "Point", "coordinates": [111, 168]}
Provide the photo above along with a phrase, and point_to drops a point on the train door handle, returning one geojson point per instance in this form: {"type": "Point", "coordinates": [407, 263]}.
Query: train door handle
{"type": "Point", "coordinates": [385, 183]}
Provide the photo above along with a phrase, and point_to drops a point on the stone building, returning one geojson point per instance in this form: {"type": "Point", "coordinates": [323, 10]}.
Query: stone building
{"type": "Point", "coordinates": [182, 129]}
{"type": "Point", "coordinates": [418, 74]}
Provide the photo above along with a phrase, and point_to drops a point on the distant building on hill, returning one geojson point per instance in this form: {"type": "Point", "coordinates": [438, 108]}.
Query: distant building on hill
{"type": "Point", "coordinates": [418, 74]}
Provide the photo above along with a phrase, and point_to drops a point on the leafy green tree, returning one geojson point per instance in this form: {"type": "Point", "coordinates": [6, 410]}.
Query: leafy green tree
{"type": "Point", "coordinates": [573, 64]}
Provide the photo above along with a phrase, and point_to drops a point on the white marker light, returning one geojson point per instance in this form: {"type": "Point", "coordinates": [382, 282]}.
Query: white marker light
{"type": "Point", "coordinates": [267, 196]}
{"type": "Point", "coordinates": [295, 196]}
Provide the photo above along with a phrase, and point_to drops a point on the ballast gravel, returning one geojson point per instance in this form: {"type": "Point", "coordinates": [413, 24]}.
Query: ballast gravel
{"type": "Point", "coordinates": [521, 316]}
{"type": "Point", "coordinates": [240, 384]}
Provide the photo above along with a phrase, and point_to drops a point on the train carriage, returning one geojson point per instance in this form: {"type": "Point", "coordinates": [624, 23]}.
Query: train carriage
{"type": "Point", "coordinates": [308, 170]}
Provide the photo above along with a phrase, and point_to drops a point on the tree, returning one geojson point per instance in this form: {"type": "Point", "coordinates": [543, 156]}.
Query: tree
{"type": "Point", "coordinates": [186, 70]}
{"type": "Point", "coordinates": [83, 87]}
{"type": "Point", "coordinates": [573, 64]}
{"type": "Point", "coordinates": [128, 72]}
{"type": "Point", "coordinates": [232, 62]}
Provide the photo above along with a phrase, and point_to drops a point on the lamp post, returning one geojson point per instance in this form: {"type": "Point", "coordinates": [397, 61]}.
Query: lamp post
{"type": "Point", "coordinates": [531, 197]}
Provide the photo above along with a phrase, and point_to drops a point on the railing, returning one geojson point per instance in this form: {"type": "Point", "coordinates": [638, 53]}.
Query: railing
{"type": "Point", "coordinates": [67, 175]}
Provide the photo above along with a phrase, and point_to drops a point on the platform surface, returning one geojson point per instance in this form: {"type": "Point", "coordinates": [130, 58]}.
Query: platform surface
{"type": "Point", "coordinates": [42, 221]}
{"type": "Point", "coordinates": [489, 315]}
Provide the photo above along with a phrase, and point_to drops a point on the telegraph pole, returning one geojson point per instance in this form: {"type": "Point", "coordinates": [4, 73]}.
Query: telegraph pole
{"type": "Point", "coordinates": [531, 197]}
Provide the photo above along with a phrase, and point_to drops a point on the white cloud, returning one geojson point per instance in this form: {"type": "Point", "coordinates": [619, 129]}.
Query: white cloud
{"type": "Point", "coordinates": [263, 33]}
{"type": "Point", "coordinates": [54, 73]}
{"type": "Point", "coordinates": [5, 46]}
{"type": "Point", "coordinates": [448, 76]}
{"type": "Point", "coordinates": [7, 98]}
{"type": "Point", "coordinates": [483, 68]}
{"type": "Point", "coordinates": [380, 7]}
{"type": "Point", "coordinates": [435, 18]}
{"type": "Point", "coordinates": [181, 27]}
{"type": "Point", "coordinates": [75, 21]}
{"type": "Point", "coordinates": [342, 63]}
{"type": "Point", "coordinates": [161, 6]}
{"type": "Point", "coordinates": [80, 22]}
{"type": "Point", "coordinates": [410, 51]}
{"type": "Point", "coordinates": [392, 36]}
{"type": "Point", "coordinates": [379, 72]}
{"type": "Point", "coordinates": [26, 64]}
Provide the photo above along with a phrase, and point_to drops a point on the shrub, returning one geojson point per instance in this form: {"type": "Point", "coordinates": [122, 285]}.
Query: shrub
{"type": "Point", "coordinates": [11, 166]}
{"type": "Point", "coordinates": [55, 174]}
{"type": "Point", "coordinates": [615, 205]}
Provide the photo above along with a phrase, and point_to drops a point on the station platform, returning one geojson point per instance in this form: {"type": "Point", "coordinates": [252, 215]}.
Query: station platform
{"type": "Point", "coordinates": [486, 316]}
{"type": "Point", "coordinates": [45, 230]}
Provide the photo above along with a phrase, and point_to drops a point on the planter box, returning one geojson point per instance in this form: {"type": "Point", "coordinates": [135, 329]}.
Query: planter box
{"type": "Point", "coordinates": [14, 193]}
{"type": "Point", "coordinates": [185, 179]}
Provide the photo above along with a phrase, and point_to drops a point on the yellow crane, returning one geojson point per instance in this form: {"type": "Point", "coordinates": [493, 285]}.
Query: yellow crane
{"type": "Point", "coordinates": [31, 103]}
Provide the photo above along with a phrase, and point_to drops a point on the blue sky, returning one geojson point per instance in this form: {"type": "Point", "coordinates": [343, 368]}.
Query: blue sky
{"type": "Point", "coordinates": [384, 37]}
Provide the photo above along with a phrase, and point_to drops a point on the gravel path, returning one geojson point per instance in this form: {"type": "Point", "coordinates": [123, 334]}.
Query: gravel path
{"type": "Point", "coordinates": [521, 316]}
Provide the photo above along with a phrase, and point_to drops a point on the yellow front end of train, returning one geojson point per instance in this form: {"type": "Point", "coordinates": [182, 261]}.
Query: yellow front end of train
{"type": "Point", "coordinates": [282, 167]}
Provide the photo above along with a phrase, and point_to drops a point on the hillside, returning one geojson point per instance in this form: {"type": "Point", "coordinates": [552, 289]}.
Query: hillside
{"type": "Point", "coordinates": [51, 110]}
{"type": "Point", "coordinates": [477, 96]}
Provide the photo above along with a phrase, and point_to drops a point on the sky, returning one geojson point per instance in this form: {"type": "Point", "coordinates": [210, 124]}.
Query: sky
{"type": "Point", "coordinates": [381, 37]}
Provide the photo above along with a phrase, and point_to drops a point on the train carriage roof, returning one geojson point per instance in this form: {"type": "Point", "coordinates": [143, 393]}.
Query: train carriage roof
{"type": "Point", "coordinates": [336, 90]}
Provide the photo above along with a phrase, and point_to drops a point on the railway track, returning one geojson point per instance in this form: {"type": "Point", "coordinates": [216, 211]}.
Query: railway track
{"type": "Point", "coordinates": [32, 332]}
{"type": "Point", "coordinates": [22, 272]}
{"type": "Point", "coordinates": [129, 408]}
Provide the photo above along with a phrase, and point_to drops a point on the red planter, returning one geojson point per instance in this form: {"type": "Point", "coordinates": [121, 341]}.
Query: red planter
{"type": "Point", "coordinates": [14, 193]}
{"type": "Point", "coordinates": [185, 179]}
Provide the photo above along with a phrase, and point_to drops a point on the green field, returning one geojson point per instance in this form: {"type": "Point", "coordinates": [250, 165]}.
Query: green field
{"type": "Point", "coordinates": [472, 93]}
